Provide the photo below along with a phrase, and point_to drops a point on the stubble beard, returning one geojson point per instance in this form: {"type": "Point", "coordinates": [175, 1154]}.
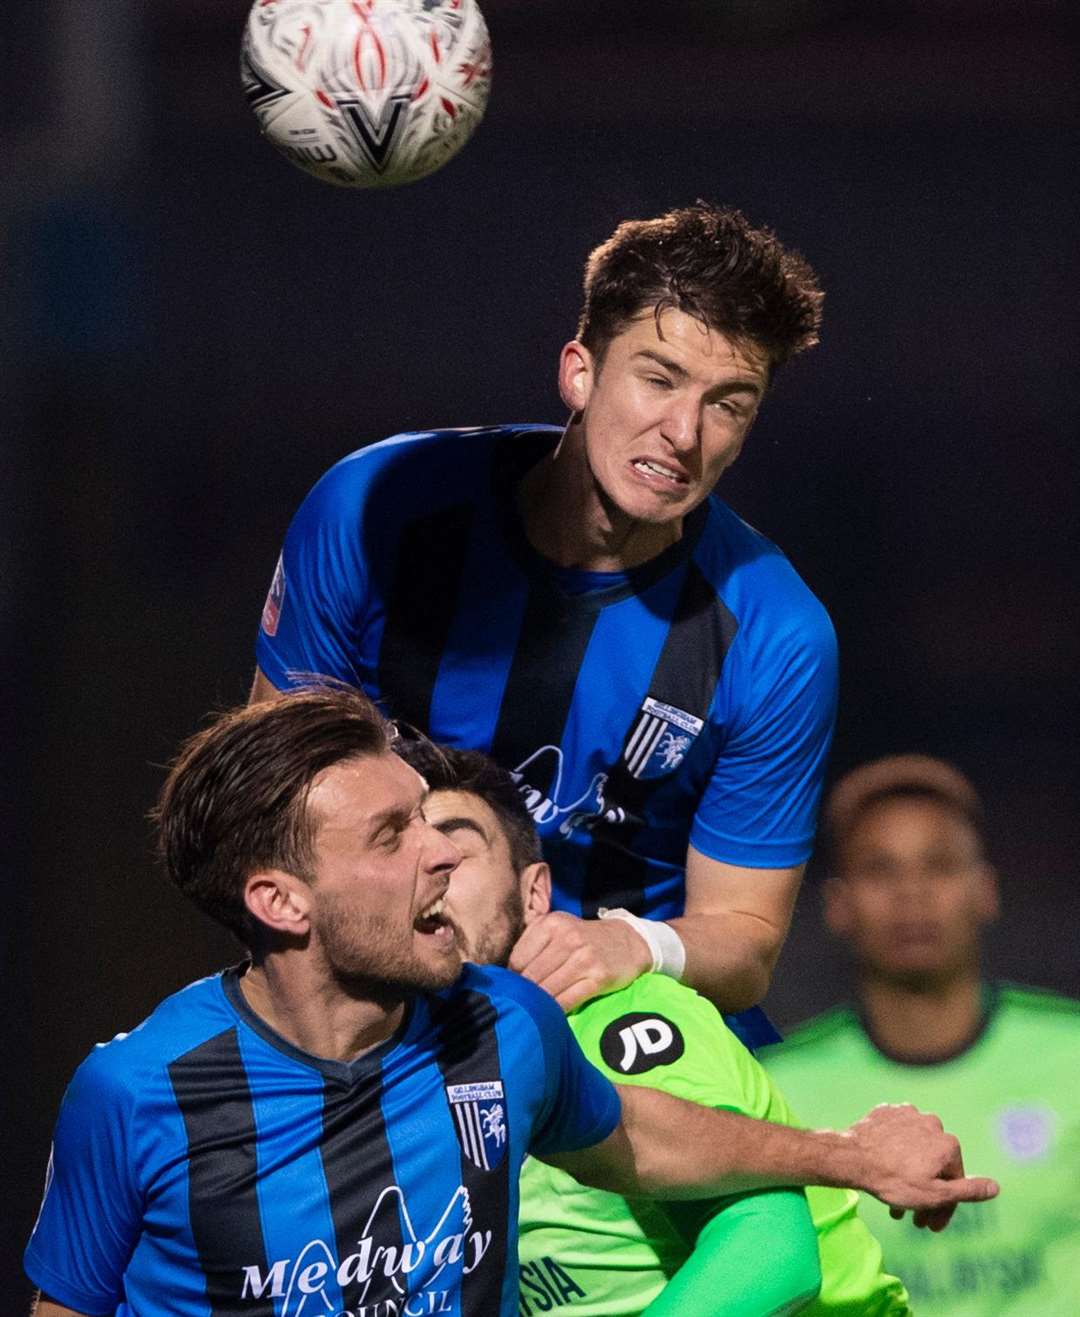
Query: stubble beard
{"type": "Point", "coordinates": [493, 945]}
{"type": "Point", "coordinates": [368, 956]}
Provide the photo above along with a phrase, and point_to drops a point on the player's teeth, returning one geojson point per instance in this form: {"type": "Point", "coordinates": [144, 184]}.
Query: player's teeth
{"type": "Point", "coordinates": [658, 470]}
{"type": "Point", "coordinates": [435, 908]}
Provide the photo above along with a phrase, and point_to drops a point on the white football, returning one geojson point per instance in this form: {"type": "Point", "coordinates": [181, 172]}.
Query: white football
{"type": "Point", "coordinates": [367, 93]}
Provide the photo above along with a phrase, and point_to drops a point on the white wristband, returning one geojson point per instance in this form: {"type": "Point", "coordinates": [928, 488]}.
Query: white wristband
{"type": "Point", "coordinates": [665, 945]}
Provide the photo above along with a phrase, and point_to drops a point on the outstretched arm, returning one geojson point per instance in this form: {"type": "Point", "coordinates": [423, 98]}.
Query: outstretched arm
{"type": "Point", "coordinates": [896, 1153]}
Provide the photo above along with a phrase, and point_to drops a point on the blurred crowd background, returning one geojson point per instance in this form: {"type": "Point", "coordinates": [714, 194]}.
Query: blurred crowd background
{"type": "Point", "coordinates": [191, 331]}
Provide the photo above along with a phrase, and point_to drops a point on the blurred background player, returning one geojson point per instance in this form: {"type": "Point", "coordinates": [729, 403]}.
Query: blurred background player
{"type": "Point", "coordinates": [597, 1253]}
{"type": "Point", "coordinates": [911, 893]}
{"type": "Point", "coordinates": [577, 604]}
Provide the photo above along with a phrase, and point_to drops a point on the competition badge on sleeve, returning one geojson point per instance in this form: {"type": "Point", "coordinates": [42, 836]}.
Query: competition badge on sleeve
{"type": "Point", "coordinates": [479, 1112]}
{"type": "Point", "coordinates": [271, 613]}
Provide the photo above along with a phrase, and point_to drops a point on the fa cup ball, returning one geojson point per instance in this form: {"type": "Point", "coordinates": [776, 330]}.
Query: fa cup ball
{"type": "Point", "coordinates": [367, 93]}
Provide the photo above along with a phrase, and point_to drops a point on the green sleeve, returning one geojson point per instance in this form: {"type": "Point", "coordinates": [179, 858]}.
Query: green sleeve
{"type": "Point", "coordinates": [757, 1257]}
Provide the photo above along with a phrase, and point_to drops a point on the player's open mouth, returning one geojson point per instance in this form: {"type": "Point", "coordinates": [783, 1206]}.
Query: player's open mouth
{"type": "Point", "coordinates": [653, 471]}
{"type": "Point", "coordinates": [433, 922]}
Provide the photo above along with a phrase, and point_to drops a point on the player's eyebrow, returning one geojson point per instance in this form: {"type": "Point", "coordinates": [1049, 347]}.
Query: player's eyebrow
{"type": "Point", "coordinates": [681, 373]}
{"type": "Point", "coordinates": [396, 817]}
{"type": "Point", "coordinates": [446, 826]}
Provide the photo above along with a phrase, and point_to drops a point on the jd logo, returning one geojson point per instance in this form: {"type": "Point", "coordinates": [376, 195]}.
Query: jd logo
{"type": "Point", "coordinates": [637, 1042]}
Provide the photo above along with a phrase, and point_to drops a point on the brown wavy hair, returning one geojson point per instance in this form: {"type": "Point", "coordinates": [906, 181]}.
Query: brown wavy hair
{"type": "Point", "coordinates": [708, 262]}
{"type": "Point", "coordinates": [235, 799]}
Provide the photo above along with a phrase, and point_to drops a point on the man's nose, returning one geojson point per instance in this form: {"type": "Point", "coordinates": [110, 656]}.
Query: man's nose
{"type": "Point", "coordinates": [679, 425]}
{"type": "Point", "coordinates": [440, 852]}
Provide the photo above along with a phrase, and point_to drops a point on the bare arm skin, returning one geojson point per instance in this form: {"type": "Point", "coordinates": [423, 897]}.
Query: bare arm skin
{"type": "Point", "coordinates": [262, 688]}
{"type": "Point", "coordinates": [43, 1306]}
{"type": "Point", "coordinates": [735, 924]}
{"type": "Point", "coordinates": [896, 1153]}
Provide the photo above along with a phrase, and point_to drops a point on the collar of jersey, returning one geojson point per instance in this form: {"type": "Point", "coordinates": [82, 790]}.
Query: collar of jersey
{"type": "Point", "coordinates": [512, 462]}
{"type": "Point", "coordinates": [345, 1073]}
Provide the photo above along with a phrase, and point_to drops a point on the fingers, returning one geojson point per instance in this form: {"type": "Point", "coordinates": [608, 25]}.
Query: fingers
{"type": "Point", "coordinates": [972, 1189]}
{"type": "Point", "coordinates": [556, 954]}
{"type": "Point", "coordinates": [933, 1218]}
{"type": "Point", "coordinates": [575, 959]}
{"type": "Point", "coordinates": [967, 1189]}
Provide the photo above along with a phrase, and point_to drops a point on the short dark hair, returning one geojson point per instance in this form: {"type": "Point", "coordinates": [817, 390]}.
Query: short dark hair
{"type": "Point", "coordinates": [235, 799]}
{"type": "Point", "coordinates": [445, 768]}
{"type": "Point", "coordinates": [710, 263]}
{"type": "Point", "coordinates": [897, 777]}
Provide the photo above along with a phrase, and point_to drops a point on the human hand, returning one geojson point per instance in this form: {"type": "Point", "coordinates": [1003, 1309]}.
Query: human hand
{"type": "Point", "coordinates": [915, 1166]}
{"type": "Point", "coordinates": [577, 959]}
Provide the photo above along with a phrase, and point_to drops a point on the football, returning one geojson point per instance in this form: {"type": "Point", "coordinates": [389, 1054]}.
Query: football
{"type": "Point", "coordinates": [367, 93]}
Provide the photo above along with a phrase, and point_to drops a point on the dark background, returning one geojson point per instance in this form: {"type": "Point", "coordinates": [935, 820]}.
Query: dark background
{"type": "Point", "coordinates": [191, 330]}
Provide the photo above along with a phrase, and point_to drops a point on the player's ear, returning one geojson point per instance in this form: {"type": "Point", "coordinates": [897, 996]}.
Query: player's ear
{"type": "Point", "coordinates": [535, 890]}
{"type": "Point", "coordinates": [577, 370]}
{"type": "Point", "coordinates": [279, 901]}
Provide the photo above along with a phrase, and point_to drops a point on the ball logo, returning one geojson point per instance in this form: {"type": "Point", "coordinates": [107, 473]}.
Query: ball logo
{"type": "Point", "coordinates": [637, 1042]}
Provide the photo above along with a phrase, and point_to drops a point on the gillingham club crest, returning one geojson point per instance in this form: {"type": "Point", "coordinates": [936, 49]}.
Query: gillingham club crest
{"type": "Point", "coordinates": [660, 739]}
{"type": "Point", "coordinates": [479, 1112]}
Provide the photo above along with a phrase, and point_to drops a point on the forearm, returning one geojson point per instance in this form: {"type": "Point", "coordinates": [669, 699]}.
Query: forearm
{"type": "Point", "coordinates": [725, 1271]}
{"type": "Point", "coordinates": [897, 1153]}
{"type": "Point", "coordinates": [736, 1153]}
{"type": "Point", "coordinates": [717, 1153]}
{"type": "Point", "coordinates": [729, 956]}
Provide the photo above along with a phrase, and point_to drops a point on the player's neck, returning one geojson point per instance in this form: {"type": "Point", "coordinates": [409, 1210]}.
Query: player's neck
{"type": "Point", "coordinates": [568, 519]}
{"type": "Point", "coordinates": [318, 1016]}
{"type": "Point", "coordinates": [923, 1023]}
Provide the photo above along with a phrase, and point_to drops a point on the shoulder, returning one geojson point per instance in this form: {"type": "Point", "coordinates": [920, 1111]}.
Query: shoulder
{"type": "Point", "coordinates": [119, 1070]}
{"type": "Point", "coordinates": [457, 453]}
{"type": "Point", "coordinates": [758, 583]}
{"type": "Point", "coordinates": [1049, 1012]}
{"type": "Point", "coordinates": [652, 996]}
{"type": "Point", "coordinates": [511, 996]}
{"type": "Point", "coordinates": [662, 1034]}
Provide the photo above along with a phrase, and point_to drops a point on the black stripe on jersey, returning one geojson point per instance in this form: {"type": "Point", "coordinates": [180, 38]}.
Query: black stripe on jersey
{"type": "Point", "coordinates": [212, 1092]}
{"type": "Point", "coordinates": [420, 610]}
{"type": "Point", "coordinates": [685, 676]}
{"type": "Point", "coordinates": [359, 1168]}
{"type": "Point", "coordinates": [540, 687]}
{"type": "Point", "coordinates": [702, 631]}
{"type": "Point", "coordinates": [468, 1053]}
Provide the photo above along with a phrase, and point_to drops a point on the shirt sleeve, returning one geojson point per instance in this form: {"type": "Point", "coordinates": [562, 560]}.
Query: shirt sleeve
{"type": "Point", "coordinates": [91, 1213]}
{"type": "Point", "coordinates": [315, 609]}
{"type": "Point", "coordinates": [580, 1107]}
{"type": "Point", "coordinates": [759, 808]}
{"type": "Point", "coordinates": [724, 1273]}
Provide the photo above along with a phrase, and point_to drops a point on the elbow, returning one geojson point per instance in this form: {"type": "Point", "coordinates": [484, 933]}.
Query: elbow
{"type": "Point", "coordinates": [750, 983]}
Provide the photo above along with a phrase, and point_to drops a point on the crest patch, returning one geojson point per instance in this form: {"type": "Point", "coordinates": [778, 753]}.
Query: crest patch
{"type": "Point", "coordinates": [660, 739]}
{"type": "Point", "coordinates": [479, 1112]}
